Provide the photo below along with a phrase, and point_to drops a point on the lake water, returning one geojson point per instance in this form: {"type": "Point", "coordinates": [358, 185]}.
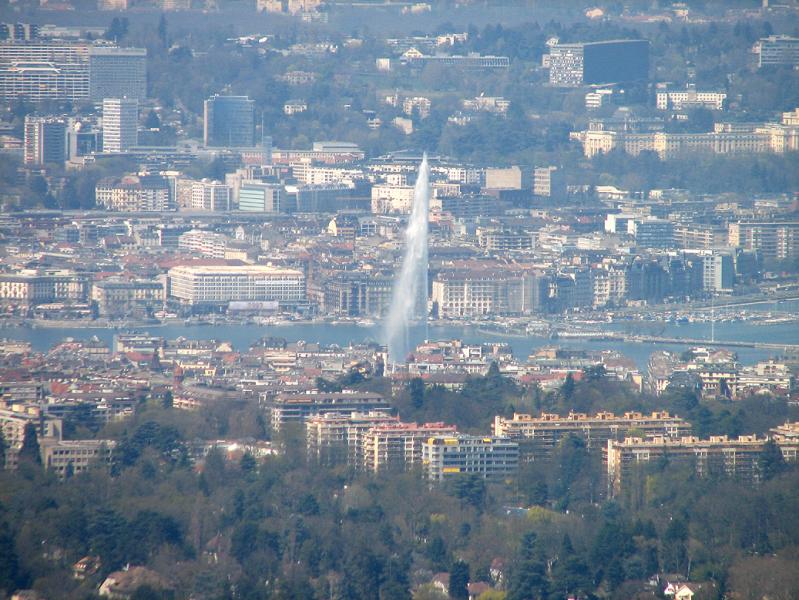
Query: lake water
{"type": "Point", "coordinates": [242, 336]}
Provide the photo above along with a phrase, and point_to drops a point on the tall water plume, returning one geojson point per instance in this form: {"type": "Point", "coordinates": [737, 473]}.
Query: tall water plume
{"type": "Point", "coordinates": [409, 298]}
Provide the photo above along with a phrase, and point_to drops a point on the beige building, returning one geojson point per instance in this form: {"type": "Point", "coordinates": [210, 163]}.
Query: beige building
{"type": "Point", "coordinates": [397, 445]}
{"type": "Point", "coordinates": [118, 298]}
{"type": "Point", "coordinates": [737, 458]}
{"type": "Point", "coordinates": [40, 287]}
{"type": "Point", "coordinates": [335, 438]}
{"type": "Point", "coordinates": [548, 429]}
{"type": "Point", "coordinates": [59, 456]}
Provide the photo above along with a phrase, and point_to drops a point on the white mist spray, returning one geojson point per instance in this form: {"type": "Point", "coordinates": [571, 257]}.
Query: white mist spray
{"type": "Point", "coordinates": [409, 299]}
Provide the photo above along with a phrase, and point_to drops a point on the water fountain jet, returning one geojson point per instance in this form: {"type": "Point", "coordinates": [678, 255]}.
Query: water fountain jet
{"type": "Point", "coordinates": [409, 296]}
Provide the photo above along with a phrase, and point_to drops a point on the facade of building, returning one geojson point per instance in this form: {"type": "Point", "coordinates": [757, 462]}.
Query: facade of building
{"type": "Point", "coordinates": [445, 456]}
{"type": "Point", "coordinates": [75, 456]}
{"type": "Point", "coordinates": [45, 140]}
{"type": "Point", "coordinates": [120, 124]}
{"type": "Point", "coordinates": [544, 433]}
{"type": "Point", "coordinates": [397, 446]}
{"type": "Point", "coordinates": [475, 292]}
{"type": "Point", "coordinates": [135, 193]}
{"type": "Point", "coordinates": [211, 196]}
{"type": "Point", "coordinates": [257, 196]}
{"type": "Point", "coordinates": [229, 121]}
{"type": "Point", "coordinates": [357, 294]}
{"type": "Point", "coordinates": [33, 287]}
{"type": "Point", "coordinates": [117, 298]}
{"type": "Point", "coordinates": [719, 455]}
{"type": "Point", "coordinates": [219, 285]}
{"type": "Point", "coordinates": [204, 243]}
{"type": "Point", "coordinates": [614, 61]}
{"type": "Point", "coordinates": [689, 98]}
{"type": "Point", "coordinates": [117, 73]}
{"type": "Point", "coordinates": [772, 240]}
{"type": "Point", "coordinates": [778, 50]}
{"type": "Point", "coordinates": [334, 438]}
{"type": "Point", "coordinates": [288, 408]}
{"type": "Point", "coordinates": [414, 58]}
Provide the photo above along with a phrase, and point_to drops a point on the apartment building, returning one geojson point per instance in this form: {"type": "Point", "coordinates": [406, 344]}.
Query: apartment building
{"type": "Point", "coordinates": [295, 408]}
{"type": "Point", "coordinates": [205, 243]}
{"type": "Point", "coordinates": [335, 438]}
{"type": "Point", "coordinates": [444, 456]}
{"type": "Point", "coordinates": [476, 292]}
{"type": "Point", "coordinates": [45, 140]}
{"type": "Point", "coordinates": [211, 196]}
{"type": "Point", "coordinates": [732, 457]}
{"type": "Point", "coordinates": [219, 285]}
{"type": "Point", "coordinates": [772, 240]}
{"type": "Point", "coordinates": [689, 98]}
{"type": "Point", "coordinates": [135, 193]}
{"type": "Point", "coordinates": [546, 431]}
{"type": "Point", "coordinates": [397, 446]}
{"type": "Point", "coordinates": [777, 50]}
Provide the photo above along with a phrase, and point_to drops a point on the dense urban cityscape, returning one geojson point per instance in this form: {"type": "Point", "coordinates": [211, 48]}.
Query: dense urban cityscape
{"type": "Point", "coordinates": [470, 299]}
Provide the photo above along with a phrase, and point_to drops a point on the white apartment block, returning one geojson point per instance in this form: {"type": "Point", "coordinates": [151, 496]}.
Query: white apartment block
{"type": "Point", "coordinates": [487, 457]}
{"type": "Point", "coordinates": [120, 124]}
{"type": "Point", "coordinates": [206, 243]}
{"type": "Point", "coordinates": [211, 196]}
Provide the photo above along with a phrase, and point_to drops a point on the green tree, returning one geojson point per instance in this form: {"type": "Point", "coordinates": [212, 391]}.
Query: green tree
{"type": "Point", "coordinates": [771, 462]}
{"type": "Point", "coordinates": [168, 399]}
{"type": "Point", "coordinates": [459, 580]}
{"type": "Point", "coordinates": [9, 560]}
{"type": "Point", "coordinates": [30, 450]}
{"type": "Point", "coordinates": [416, 392]}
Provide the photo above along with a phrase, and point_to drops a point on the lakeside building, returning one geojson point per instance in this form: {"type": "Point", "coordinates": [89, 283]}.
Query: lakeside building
{"type": "Point", "coordinates": [445, 456]}
{"type": "Point", "coordinates": [118, 298]}
{"type": "Point", "coordinates": [31, 287]}
{"type": "Point", "coordinates": [220, 285]}
{"type": "Point", "coordinates": [546, 431]}
{"type": "Point", "coordinates": [737, 458]}
{"type": "Point", "coordinates": [288, 408]}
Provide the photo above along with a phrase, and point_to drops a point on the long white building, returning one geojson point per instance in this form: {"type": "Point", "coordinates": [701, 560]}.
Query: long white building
{"type": "Point", "coordinates": [205, 284]}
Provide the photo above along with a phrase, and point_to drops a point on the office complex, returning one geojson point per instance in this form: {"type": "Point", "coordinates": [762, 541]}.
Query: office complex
{"type": "Point", "coordinates": [444, 456]}
{"type": "Point", "coordinates": [134, 193]}
{"type": "Point", "coordinates": [615, 61]}
{"type": "Point", "coordinates": [689, 98]}
{"type": "Point", "coordinates": [295, 408]}
{"type": "Point", "coordinates": [207, 195]}
{"type": "Point", "coordinates": [719, 455]}
{"type": "Point", "coordinates": [40, 71]}
{"type": "Point", "coordinates": [45, 140]}
{"type": "Point", "coordinates": [778, 50]}
{"type": "Point", "coordinates": [117, 73]}
{"type": "Point", "coordinates": [120, 124]}
{"type": "Point", "coordinates": [229, 121]}
{"type": "Point", "coordinates": [220, 285]}
{"type": "Point", "coordinates": [257, 196]}
{"type": "Point", "coordinates": [543, 433]}
{"type": "Point", "coordinates": [414, 58]}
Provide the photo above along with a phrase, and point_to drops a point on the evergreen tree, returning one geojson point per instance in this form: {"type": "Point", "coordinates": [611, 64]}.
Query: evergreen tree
{"type": "Point", "coordinates": [416, 392]}
{"type": "Point", "coordinates": [30, 445]}
{"type": "Point", "coordinates": [771, 462]}
{"type": "Point", "coordinates": [9, 560]}
{"type": "Point", "coordinates": [459, 580]}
